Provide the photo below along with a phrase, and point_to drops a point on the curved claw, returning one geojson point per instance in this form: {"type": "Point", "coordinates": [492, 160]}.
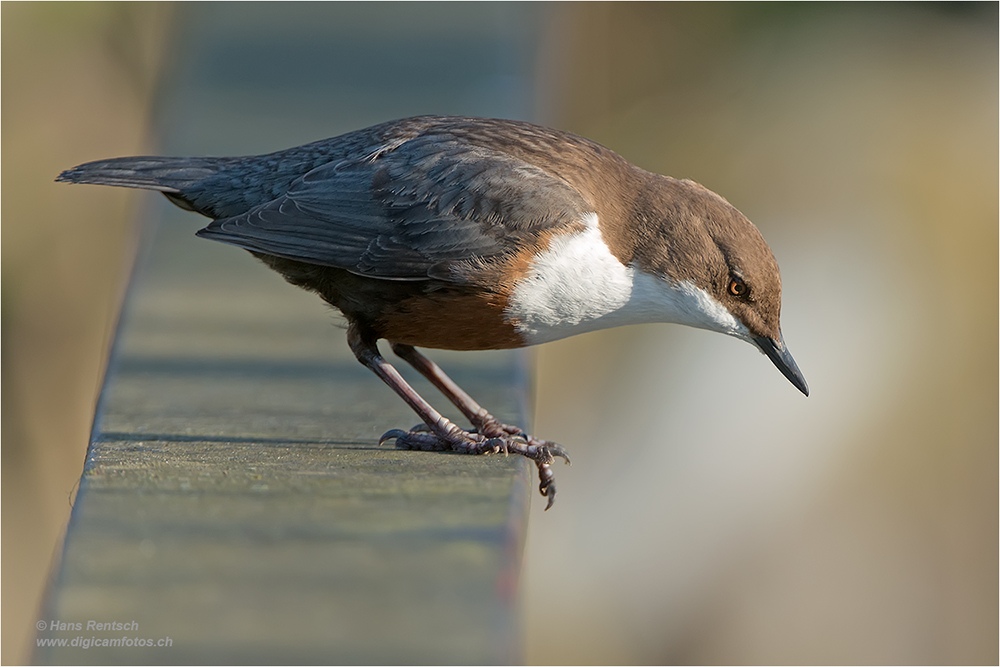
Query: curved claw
{"type": "Point", "coordinates": [391, 435]}
{"type": "Point", "coordinates": [557, 450]}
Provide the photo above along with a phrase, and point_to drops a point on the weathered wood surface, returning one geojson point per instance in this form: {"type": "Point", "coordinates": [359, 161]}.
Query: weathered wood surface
{"type": "Point", "coordinates": [235, 499]}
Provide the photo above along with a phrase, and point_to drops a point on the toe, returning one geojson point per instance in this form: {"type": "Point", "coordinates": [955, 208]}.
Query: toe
{"type": "Point", "coordinates": [546, 484]}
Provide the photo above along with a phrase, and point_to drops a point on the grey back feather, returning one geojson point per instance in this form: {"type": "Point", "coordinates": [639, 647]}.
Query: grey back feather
{"type": "Point", "coordinates": [408, 212]}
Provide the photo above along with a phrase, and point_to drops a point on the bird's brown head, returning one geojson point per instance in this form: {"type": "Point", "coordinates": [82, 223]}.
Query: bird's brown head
{"type": "Point", "coordinates": [698, 241]}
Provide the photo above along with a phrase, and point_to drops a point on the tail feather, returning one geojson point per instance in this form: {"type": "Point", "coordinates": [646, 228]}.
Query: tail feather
{"type": "Point", "coordinates": [169, 175]}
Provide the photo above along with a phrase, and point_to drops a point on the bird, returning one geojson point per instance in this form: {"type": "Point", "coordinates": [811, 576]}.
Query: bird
{"type": "Point", "coordinates": [463, 233]}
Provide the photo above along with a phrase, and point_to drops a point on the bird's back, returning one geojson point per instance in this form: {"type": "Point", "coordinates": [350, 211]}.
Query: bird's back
{"type": "Point", "coordinates": [221, 187]}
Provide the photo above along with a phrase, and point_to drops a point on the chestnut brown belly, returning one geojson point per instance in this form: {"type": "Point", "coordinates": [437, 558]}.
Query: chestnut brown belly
{"type": "Point", "coordinates": [422, 313]}
{"type": "Point", "coordinates": [448, 321]}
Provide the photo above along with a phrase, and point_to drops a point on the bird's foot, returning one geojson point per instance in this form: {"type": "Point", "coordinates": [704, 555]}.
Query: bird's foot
{"type": "Point", "coordinates": [505, 439]}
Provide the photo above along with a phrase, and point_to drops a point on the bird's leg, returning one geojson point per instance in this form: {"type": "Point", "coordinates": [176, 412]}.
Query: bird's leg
{"type": "Point", "coordinates": [443, 434]}
{"type": "Point", "coordinates": [366, 351]}
{"type": "Point", "coordinates": [482, 420]}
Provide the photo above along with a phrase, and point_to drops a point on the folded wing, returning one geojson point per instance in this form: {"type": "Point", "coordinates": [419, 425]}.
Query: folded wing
{"type": "Point", "coordinates": [409, 210]}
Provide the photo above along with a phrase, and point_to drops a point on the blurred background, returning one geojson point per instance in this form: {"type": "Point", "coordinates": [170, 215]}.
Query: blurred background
{"type": "Point", "coordinates": [712, 514]}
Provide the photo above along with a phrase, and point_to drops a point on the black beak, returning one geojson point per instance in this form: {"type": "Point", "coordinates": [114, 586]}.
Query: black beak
{"type": "Point", "coordinates": [778, 353]}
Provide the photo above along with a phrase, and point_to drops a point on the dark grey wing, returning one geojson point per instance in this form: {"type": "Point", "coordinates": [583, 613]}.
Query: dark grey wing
{"type": "Point", "coordinates": [409, 211]}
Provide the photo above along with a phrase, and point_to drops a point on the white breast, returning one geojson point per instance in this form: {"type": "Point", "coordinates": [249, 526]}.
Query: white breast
{"type": "Point", "coordinates": [576, 285]}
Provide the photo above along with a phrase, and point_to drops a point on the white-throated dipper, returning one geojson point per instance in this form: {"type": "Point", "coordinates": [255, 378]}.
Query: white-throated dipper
{"type": "Point", "coordinates": [477, 234]}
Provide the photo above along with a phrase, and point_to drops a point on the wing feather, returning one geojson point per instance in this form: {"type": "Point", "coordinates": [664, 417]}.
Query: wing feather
{"type": "Point", "coordinates": [407, 209]}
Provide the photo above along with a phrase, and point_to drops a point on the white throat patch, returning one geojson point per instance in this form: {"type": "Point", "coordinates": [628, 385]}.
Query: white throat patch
{"type": "Point", "coordinates": [576, 285]}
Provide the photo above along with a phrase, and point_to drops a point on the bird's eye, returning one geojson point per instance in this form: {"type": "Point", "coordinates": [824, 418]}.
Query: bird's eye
{"type": "Point", "coordinates": [738, 288]}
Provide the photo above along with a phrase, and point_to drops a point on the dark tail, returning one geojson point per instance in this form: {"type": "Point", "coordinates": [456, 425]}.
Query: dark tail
{"type": "Point", "coordinates": [170, 175]}
{"type": "Point", "coordinates": [181, 179]}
